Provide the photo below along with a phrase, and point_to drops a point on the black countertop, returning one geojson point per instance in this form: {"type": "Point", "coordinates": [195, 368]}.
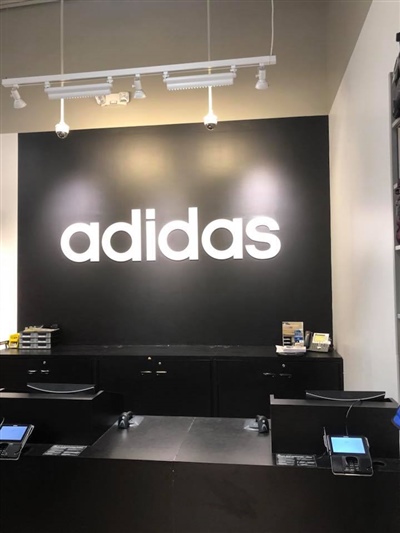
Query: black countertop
{"type": "Point", "coordinates": [199, 351]}
{"type": "Point", "coordinates": [185, 439]}
{"type": "Point", "coordinates": [195, 440]}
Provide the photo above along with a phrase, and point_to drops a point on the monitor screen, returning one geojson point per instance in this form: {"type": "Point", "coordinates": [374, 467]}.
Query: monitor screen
{"type": "Point", "coordinates": [396, 418]}
{"type": "Point", "coordinates": [12, 433]}
{"type": "Point", "coordinates": [347, 445]}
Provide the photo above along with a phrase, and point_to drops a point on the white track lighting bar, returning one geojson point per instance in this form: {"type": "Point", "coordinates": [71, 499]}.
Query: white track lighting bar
{"type": "Point", "coordinates": [199, 81]}
{"type": "Point", "coordinates": [78, 91]}
{"type": "Point", "coordinates": [131, 72]}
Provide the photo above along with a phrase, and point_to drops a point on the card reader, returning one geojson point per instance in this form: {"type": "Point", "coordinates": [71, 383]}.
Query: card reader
{"type": "Point", "coordinates": [349, 455]}
{"type": "Point", "coordinates": [12, 439]}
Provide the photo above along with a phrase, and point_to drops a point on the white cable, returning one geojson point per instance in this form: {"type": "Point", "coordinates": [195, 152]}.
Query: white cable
{"type": "Point", "coordinates": [62, 35]}
{"type": "Point", "coordinates": [272, 25]}
{"type": "Point", "coordinates": [210, 106]}
{"type": "Point", "coordinates": [62, 110]}
{"type": "Point", "coordinates": [208, 32]}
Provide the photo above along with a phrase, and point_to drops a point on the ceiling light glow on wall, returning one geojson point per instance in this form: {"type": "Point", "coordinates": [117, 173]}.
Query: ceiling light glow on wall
{"type": "Point", "coordinates": [78, 91]}
{"type": "Point", "coordinates": [199, 81]}
{"type": "Point", "coordinates": [18, 102]}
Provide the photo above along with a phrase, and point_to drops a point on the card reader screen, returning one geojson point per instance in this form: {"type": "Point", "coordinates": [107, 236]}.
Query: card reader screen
{"type": "Point", "coordinates": [347, 445]}
{"type": "Point", "coordinates": [396, 418]}
{"type": "Point", "coordinates": [12, 433]}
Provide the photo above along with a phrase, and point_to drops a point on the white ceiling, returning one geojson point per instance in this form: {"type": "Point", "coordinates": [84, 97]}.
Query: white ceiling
{"type": "Point", "coordinates": [313, 43]}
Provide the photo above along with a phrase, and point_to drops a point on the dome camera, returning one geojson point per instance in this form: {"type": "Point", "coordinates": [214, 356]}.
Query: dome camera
{"type": "Point", "coordinates": [210, 121]}
{"type": "Point", "coordinates": [62, 130]}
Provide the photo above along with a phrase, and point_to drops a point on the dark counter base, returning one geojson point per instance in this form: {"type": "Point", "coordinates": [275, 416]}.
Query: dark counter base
{"type": "Point", "coordinates": [185, 475]}
{"type": "Point", "coordinates": [98, 496]}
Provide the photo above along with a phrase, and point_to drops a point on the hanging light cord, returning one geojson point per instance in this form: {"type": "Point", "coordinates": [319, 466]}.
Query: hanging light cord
{"type": "Point", "coordinates": [62, 36]}
{"type": "Point", "coordinates": [209, 54]}
{"type": "Point", "coordinates": [208, 31]}
{"type": "Point", "coordinates": [272, 26]}
{"type": "Point", "coordinates": [62, 55]}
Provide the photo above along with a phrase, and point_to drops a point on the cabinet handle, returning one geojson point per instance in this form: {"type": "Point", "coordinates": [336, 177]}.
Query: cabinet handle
{"type": "Point", "coordinates": [285, 375]}
{"type": "Point", "coordinates": [143, 372]}
{"type": "Point", "coordinates": [161, 372]}
{"type": "Point", "coordinates": [30, 372]}
{"type": "Point", "coordinates": [269, 374]}
{"type": "Point", "coordinates": [45, 371]}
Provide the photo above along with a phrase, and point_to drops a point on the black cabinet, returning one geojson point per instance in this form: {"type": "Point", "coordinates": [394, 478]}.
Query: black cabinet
{"type": "Point", "coordinates": [17, 371]}
{"type": "Point", "coordinates": [159, 385]}
{"type": "Point", "coordinates": [244, 385]}
{"type": "Point", "coordinates": [13, 373]}
{"type": "Point", "coordinates": [224, 381]}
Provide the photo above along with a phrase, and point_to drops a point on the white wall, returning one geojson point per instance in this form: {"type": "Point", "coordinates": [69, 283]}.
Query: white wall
{"type": "Point", "coordinates": [8, 234]}
{"type": "Point", "coordinates": [362, 208]}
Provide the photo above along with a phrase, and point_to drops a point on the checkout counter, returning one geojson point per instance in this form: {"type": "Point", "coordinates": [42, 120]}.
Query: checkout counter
{"type": "Point", "coordinates": [191, 475]}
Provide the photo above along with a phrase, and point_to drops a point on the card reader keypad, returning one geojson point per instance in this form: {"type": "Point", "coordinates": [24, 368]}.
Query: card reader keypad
{"type": "Point", "coordinates": [352, 466]}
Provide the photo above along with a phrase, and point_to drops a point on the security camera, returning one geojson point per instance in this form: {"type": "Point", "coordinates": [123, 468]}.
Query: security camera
{"type": "Point", "coordinates": [62, 130]}
{"type": "Point", "coordinates": [210, 121]}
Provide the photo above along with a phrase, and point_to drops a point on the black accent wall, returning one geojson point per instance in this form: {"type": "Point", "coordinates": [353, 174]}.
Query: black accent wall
{"type": "Point", "coordinates": [276, 168]}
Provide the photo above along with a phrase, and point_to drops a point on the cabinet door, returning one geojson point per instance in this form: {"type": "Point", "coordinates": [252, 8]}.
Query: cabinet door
{"type": "Point", "coordinates": [59, 369]}
{"type": "Point", "coordinates": [128, 376]}
{"type": "Point", "coordinates": [244, 386]}
{"type": "Point", "coordinates": [159, 386]}
{"type": "Point", "coordinates": [181, 387]}
{"type": "Point", "coordinates": [13, 372]}
{"type": "Point", "coordinates": [16, 372]}
{"type": "Point", "coordinates": [295, 377]}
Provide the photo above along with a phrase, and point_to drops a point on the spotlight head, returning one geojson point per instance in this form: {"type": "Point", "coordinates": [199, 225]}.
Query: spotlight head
{"type": "Point", "coordinates": [18, 102]}
{"type": "Point", "coordinates": [262, 83]}
{"type": "Point", "coordinates": [62, 130]}
{"type": "Point", "coordinates": [137, 85]}
{"type": "Point", "coordinates": [210, 121]}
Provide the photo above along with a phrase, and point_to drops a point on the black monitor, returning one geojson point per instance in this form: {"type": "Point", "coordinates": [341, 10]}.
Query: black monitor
{"type": "Point", "coordinates": [346, 396]}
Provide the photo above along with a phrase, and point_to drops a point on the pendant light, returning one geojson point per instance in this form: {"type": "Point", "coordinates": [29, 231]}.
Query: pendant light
{"type": "Point", "coordinates": [62, 128]}
{"type": "Point", "coordinates": [211, 119]}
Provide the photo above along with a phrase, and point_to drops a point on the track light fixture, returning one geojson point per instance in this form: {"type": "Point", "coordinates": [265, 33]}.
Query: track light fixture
{"type": "Point", "coordinates": [200, 66]}
{"type": "Point", "coordinates": [137, 85]}
{"type": "Point", "coordinates": [18, 102]}
{"type": "Point", "coordinates": [262, 83]}
{"type": "Point", "coordinates": [200, 81]}
{"type": "Point", "coordinates": [202, 74]}
{"type": "Point", "coordinates": [78, 91]}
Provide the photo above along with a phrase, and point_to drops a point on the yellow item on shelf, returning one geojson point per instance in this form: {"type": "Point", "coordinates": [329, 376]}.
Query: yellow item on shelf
{"type": "Point", "coordinates": [13, 340]}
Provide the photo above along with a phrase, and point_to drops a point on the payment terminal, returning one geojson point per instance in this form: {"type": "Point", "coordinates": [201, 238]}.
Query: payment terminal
{"type": "Point", "coordinates": [349, 455]}
{"type": "Point", "coordinates": [12, 440]}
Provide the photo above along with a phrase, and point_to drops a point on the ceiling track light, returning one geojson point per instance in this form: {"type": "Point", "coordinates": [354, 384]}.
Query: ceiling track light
{"type": "Point", "coordinates": [199, 81]}
{"type": "Point", "coordinates": [18, 102]}
{"type": "Point", "coordinates": [78, 91]}
{"type": "Point", "coordinates": [131, 72]}
{"type": "Point", "coordinates": [262, 83]}
{"type": "Point", "coordinates": [139, 94]}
